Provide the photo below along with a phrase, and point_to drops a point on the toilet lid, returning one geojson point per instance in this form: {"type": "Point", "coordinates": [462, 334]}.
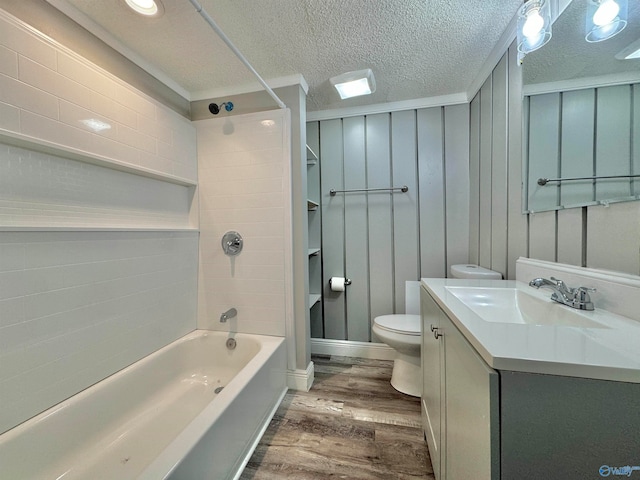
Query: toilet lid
{"type": "Point", "coordinates": [399, 323]}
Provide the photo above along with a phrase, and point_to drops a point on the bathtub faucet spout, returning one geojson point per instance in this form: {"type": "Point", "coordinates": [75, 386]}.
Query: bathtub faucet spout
{"type": "Point", "coordinates": [232, 312]}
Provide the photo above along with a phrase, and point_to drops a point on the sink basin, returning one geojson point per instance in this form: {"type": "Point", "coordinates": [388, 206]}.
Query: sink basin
{"type": "Point", "coordinates": [512, 305]}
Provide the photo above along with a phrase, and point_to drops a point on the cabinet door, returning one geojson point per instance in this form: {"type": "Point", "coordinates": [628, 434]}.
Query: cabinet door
{"type": "Point", "coordinates": [471, 399]}
{"type": "Point", "coordinates": [432, 381]}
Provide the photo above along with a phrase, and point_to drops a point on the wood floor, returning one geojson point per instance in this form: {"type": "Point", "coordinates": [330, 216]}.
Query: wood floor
{"type": "Point", "coordinates": [351, 425]}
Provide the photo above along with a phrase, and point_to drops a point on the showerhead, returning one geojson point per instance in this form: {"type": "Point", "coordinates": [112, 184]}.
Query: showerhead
{"type": "Point", "coordinates": [215, 109]}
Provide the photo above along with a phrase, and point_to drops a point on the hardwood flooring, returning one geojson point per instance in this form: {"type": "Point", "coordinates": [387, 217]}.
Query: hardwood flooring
{"type": "Point", "coordinates": [352, 425]}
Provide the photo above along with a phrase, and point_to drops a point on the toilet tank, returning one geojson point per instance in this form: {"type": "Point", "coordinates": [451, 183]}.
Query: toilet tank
{"type": "Point", "coordinates": [475, 272]}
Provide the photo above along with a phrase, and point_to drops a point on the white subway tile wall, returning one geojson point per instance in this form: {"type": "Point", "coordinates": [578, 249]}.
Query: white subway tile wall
{"type": "Point", "coordinates": [39, 190]}
{"type": "Point", "coordinates": [82, 293]}
{"type": "Point", "coordinates": [47, 91]}
{"type": "Point", "coordinates": [243, 186]}
{"type": "Point", "coordinates": [76, 307]}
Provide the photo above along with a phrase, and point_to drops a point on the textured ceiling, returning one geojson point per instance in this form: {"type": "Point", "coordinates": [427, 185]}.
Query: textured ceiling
{"type": "Point", "coordinates": [416, 48]}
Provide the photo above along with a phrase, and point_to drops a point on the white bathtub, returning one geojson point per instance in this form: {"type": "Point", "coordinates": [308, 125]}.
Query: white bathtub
{"type": "Point", "coordinates": [160, 417]}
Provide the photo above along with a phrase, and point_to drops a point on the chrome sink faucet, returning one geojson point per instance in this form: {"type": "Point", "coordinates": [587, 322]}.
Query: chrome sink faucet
{"type": "Point", "coordinates": [232, 312]}
{"type": "Point", "coordinates": [573, 297]}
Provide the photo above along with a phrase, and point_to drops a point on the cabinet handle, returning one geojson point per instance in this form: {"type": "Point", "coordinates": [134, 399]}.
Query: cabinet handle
{"type": "Point", "coordinates": [436, 335]}
{"type": "Point", "coordinates": [432, 328]}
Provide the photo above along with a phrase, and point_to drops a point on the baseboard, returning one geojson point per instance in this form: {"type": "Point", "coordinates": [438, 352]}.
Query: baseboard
{"type": "Point", "coordinates": [346, 348]}
{"type": "Point", "coordinates": [301, 379]}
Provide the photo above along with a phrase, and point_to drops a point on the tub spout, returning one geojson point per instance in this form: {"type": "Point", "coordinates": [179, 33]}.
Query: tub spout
{"type": "Point", "coordinates": [232, 312]}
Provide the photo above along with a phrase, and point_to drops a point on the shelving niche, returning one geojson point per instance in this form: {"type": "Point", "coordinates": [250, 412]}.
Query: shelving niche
{"type": "Point", "coordinates": [314, 223]}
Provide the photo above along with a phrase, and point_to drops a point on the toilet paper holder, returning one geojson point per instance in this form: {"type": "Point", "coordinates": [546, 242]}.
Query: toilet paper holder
{"type": "Point", "coordinates": [346, 282]}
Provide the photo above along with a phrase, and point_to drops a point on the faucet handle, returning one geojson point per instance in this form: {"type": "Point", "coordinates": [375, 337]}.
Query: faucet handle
{"type": "Point", "coordinates": [582, 299]}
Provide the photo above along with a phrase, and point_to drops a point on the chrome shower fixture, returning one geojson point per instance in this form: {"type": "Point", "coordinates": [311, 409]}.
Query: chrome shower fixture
{"type": "Point", "coordinates": [215, 108]}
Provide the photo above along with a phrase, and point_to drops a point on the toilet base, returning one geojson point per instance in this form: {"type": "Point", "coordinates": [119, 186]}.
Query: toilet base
{"type": "Point", "coordinates": [407, 374]}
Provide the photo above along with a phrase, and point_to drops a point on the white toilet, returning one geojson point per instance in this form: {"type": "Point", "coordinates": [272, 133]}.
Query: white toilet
{"type": "Point", "coordinates": [402, 333]}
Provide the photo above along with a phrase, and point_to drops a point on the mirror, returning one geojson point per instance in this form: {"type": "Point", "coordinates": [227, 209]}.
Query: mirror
{"type": "Point", "coordinates": [582, 116]}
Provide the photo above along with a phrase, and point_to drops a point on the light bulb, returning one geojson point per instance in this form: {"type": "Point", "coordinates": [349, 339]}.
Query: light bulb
{"type": "Point", "coordinates": [606, 13]}
{"type": "Point", "coordinates": [533, 25]}
{"type": "Point", "coordinates": [145, 7]}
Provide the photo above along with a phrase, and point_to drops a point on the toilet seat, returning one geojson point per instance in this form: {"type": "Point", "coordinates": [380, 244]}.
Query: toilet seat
{"type": "Point", "coordinates": [403, 324]}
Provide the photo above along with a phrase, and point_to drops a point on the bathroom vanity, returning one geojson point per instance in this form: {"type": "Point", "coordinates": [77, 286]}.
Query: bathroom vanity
{"type": "Point", "coordinates": [516, 386]}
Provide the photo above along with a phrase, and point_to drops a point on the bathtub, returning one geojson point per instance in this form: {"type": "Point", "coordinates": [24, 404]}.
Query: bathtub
{"type": "Point", "coordinates": [162, 417]}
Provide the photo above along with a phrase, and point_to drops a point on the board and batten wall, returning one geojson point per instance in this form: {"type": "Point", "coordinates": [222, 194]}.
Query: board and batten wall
{"type": "Point", "coordinates": [98, 230]}
{"type": "Point", "coordinates": [580, 133]}
{"type": "Point", "coordinates": [606, 237]}
{"type": "Point", "coordinates": [379, 240]}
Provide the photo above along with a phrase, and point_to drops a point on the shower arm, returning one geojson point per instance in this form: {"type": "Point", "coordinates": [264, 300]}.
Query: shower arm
{"type": "Point", "coordinates": [237, 52]}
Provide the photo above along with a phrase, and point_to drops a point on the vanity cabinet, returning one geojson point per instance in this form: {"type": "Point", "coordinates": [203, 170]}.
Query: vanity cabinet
{"type": "Point", "coordinates": [459, 401]}
{"type": "Point", "coordinates": [486, 424]}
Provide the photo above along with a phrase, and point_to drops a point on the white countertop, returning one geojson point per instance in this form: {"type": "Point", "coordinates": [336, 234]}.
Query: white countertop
{"type": "Point", "coordinates": [610, 353]}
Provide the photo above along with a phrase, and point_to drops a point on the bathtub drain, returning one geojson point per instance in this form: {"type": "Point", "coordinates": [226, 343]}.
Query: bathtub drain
{"type": "Point", "coordinates": [218, 390]}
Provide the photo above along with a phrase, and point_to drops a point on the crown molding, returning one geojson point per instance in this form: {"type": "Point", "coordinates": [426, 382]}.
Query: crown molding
{"type": "Point", "coordinates": [439, 101]}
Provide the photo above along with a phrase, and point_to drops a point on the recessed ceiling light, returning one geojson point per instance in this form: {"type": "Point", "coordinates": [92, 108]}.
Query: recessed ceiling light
{"type": "Point", "coordinates": [354, 84]}
{"type": "Point", "coordinates": [150, 8]}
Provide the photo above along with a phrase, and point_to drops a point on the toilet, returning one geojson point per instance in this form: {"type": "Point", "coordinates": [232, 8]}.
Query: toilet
{"type": "Point", "coordinates": [402, 333]}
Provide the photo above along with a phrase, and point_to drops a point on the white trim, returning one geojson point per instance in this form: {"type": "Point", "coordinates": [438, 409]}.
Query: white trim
{"type": "Point", "coordinates": [498, 51]}
{"type": "Point", "coordinates": [439, 101]}
{"type": "Point", "coordinates": [251, 87]}
{"type": "Point", "coordinates": [345, 348]}
{"type": "Point", "coordinates": [301, 379]}
{"type": "Point", "coordinates": [624, 78]}
{"type": "Point", "coordinates": [108, 38]}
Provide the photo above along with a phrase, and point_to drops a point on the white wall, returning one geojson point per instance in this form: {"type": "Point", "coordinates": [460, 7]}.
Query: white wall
{"type": "Point", "coordinates": [245, 185]}
{"type": "Point", "coordinates": [98, 243]}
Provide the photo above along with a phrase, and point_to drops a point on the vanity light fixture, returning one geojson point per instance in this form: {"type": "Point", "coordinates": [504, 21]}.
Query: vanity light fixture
{"type": "Point", "coordinates": [354, 84]}
{"type": "Point", "coordinates": [605, 18]}
{"type": "Point", "coordinates": [150, 8]}
{"type": "Point", "coordinates": [534, 25]}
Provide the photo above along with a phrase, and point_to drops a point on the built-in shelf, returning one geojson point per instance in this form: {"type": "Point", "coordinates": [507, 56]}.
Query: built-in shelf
{"type": "Point", "coordinates": [312, 158]}
{"type": "Point", "coordinates": [314, 298]}
{"type": "Point", "coordinates": [313, 252]}
{"type": "Point", "coordinates": [44, 146]}
{"type": "Point", "coordinates": [311, 205]}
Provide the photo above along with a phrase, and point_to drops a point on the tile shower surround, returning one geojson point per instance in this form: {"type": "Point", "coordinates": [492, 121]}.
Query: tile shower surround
{"type": "Point", "coordinates": [98, 266]}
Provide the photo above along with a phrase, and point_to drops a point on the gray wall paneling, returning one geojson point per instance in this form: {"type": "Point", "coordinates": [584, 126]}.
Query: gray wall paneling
{"type": "Point", "coordinates": [456, 147]}
{"type": "Point", "coordinates": [381, 282]}
{"type": "Point", "coordinates": [405, 205]}
{"type": "Point", "coordinates": [517, 224]}
{"type": "Point", "coordinates": [613, 130]}
{"type": "Point", "coordinates": [596, 236]}
{"type": "Point", "coordinates": [431, 184]}
{"type": "Point", "coordinates": [570, 236]}
{"type": "Point", "coordinates": [613, 237]}
{"type": "Point", "coordinates": [474, 175]}
{"type": "Point", "coordinates": [543, 236]}
{"type": "Point", "coordinates": [486, 135]}
{"type": "Point", "coordinates": [331, 176]}
{"type": "Point", "coordinates": [544, 128]}
{"type": "Point", "coordinates": [578, 109]}
{"type": "Point", "coordinates": [381, 239]}
{"type": "Point", "coordinates": [635, 135]}
{"type": "Point", "coordinates": [355, 220]}
{"type": "Point", "coordinates": [499, 190]}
